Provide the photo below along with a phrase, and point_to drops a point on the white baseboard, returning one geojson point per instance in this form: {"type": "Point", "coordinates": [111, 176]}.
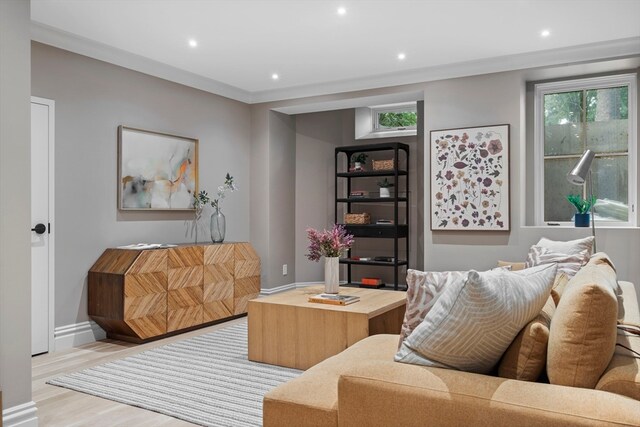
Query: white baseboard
{"type": "Point", "coordinates": [23, 415]}
{"type": "Point", "coordinates": [77, 334]}
{"type": "Point", "coordinates": [282, 288]}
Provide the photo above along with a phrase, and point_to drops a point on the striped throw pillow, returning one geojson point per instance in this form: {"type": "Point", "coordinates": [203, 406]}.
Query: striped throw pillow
{"type": "Point", "coordinates": [567, 264]}
{"type": "Point", "coordinates": [477, 317]}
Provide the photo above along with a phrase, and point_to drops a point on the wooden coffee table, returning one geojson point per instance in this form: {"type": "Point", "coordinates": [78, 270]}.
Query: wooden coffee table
{"type": "Point", "coordinates": [287, 330]}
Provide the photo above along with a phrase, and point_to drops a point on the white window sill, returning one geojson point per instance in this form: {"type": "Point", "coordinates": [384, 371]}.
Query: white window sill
{"type": "Point", "coordinates": [389, 134]}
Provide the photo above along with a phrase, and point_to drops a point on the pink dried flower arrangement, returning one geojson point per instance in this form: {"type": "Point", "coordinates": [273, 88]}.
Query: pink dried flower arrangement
{"type": "Point", "coordinates": [328, 243]}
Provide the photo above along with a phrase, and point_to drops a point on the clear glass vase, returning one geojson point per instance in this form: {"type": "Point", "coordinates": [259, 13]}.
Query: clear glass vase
{"type": "Point", "coordinates": [218, 226]}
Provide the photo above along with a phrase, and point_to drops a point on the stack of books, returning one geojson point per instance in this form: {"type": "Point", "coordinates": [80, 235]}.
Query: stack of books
{"type": "Point", "coordinates": [384, 221]}
{"type": "Point", "coordinates": [334, 299]}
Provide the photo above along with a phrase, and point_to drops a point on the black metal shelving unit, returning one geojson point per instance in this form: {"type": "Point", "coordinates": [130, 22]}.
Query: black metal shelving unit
{"type": "Point", "coordinates": [395, 231]}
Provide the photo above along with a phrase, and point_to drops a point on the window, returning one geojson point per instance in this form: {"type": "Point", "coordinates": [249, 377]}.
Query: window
{"type": "Point", "coordinates": [394, 117]}
{"type": "Point", "coordinates": [571, 116]}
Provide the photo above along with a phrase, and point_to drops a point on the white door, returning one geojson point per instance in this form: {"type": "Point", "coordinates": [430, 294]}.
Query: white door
{"type": "Point", "coordinates": [41, 296]}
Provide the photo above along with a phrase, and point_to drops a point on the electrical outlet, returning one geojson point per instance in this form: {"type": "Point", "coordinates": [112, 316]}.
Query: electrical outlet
{"type": "Point", "coordinates": [284, 269]}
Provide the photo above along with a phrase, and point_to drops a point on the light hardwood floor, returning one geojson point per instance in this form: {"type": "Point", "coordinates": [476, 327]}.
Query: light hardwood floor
{"type": "Point", "coordinates": [58, 406]}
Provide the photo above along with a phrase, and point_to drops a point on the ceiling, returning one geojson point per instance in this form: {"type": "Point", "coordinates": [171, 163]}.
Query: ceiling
{"type": "Point", "coordinates": [314, 50]}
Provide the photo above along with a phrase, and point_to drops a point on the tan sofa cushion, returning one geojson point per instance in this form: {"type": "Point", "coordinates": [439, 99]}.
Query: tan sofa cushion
{"type": "Point", "coordinates": [526, 357]}
{"type": "Point", "coordinates": [312, 398]}
{"type": "Point", "coordinates": [558, 287]}
{"type": "Point", "coordinates": [582, 336]}
{"type": "Point", "coordinates": [622, 376]}
{"type": "Point", "coordinates": [382, 393]}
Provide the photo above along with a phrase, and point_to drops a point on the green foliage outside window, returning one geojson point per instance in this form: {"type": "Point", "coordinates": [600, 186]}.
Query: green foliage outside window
{"type": "Point", "coordinates": [398, 120]}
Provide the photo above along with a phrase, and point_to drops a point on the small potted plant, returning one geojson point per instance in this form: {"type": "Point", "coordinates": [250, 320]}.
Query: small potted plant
{"type": "Point", "coordinates": [384, 187]}
{"type": "Point", "coordinates": [583, 206]}
{"type": "Point", "coordinates": [359, 160]}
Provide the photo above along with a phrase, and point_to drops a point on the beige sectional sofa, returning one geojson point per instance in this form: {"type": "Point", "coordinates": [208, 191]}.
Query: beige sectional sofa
{"type": "Point", "coordinates": [363, 386]}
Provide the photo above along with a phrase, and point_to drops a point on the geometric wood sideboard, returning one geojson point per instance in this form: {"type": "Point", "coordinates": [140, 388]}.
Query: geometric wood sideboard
{"type": "Point", "coordinates": [141, 295]}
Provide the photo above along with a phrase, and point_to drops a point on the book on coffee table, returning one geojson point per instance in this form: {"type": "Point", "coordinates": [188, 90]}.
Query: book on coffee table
{"type": "Point", "coordinates": [334, 299]}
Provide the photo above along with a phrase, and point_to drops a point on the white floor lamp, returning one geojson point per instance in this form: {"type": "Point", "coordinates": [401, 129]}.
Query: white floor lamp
{"type": "Point", "coordinates": [578, 176]}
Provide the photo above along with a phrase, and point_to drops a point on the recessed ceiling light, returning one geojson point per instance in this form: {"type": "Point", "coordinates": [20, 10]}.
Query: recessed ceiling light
{"type": "Point", "coordinates": [545, 33]}
{"type": "Point", "coordinates": [193, 43]}
{"type": "Point", "coordinates": [275, 76]}
{"type": "Point", "coordinates": [342, 11]}
{"type": "Point", "coordinates": [401, 56]}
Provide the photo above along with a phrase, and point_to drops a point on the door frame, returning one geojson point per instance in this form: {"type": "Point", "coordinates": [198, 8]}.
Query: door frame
{"type": "Point", "coordinates": [51, 104]}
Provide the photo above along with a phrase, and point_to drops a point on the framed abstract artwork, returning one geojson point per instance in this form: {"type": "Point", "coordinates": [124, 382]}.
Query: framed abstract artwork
{"type": "Point", "coordinates": [156, 171]}
{"type": "Point", "coordinates": [470, 179]}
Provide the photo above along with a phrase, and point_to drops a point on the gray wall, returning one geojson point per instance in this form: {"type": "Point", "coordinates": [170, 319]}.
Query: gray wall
{"type": "Point", "coordinates": [317, 136]}
{"type": "Point", "coordinates": [15, 204]}
{"type": "Point", "coordinates": [494, 99]}
{"type": "Point", "coordinates": [92, 99]}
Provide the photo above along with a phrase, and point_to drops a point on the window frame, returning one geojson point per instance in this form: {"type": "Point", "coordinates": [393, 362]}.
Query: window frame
{"type": "Point", "coordinates": [392, 108]}
{"type": "Point", "coordinates": [611, 81]}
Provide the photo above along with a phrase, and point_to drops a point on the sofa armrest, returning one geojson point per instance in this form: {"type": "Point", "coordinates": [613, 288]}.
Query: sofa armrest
{"type": "Point", "coordinates": [384, 393]}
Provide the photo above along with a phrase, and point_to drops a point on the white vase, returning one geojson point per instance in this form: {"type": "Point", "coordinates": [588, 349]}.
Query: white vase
{"type": "Point", "coordinates": [331, 275]}
{"type": "Point", "coordinates": [384, 192]}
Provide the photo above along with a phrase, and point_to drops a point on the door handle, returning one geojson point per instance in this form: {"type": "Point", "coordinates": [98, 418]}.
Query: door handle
{"type": "Point", "coordinates": [39, 228]}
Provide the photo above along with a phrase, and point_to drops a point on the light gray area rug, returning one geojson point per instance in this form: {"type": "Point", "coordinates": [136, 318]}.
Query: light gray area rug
{"type": "Point", "coordinates": [206, 380]}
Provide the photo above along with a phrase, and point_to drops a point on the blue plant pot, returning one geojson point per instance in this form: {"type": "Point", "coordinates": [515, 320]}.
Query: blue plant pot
{"type": "Point", "coordinates": [581, 220]}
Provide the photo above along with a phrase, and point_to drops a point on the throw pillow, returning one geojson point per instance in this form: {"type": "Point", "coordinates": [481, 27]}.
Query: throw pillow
{"type": "Point", "coordinates": [567, 264]}
{"type": "Point", "coordinates": [582, 336]}
{"type": "Point", "coordinates": [515, 266]}
{"type": "Point", "coordinates": [476, 318]}
{"type": "Point", "coordinates": [526, 357]}
{"type": "Point", "coordinates": [571, 247]}
{"type": "Point", "coordinates": [423, 290]}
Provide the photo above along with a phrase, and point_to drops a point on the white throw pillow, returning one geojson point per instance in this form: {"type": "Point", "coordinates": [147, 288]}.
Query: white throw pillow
{"type": "Point", "coordinates": [567, 264]}
{"type": "Point", "coordinates": [572, 247]}
{"type": "Point", "coordinates": [477, 317]}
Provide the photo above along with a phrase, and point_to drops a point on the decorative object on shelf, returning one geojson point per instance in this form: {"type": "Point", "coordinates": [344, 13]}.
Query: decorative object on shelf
{"type": "Point", "coordinates": [371, 281]}
{"type": "Point", "coordinates": [583, 207]}
{"type": "Point", "coordinates": [329, 244]}
{"type": "Point", "coordinates": [156, 171]}
{"type": "Point", "coordinates": [383, 165]}
{"type": "Point", "coordinates": [358, 161]}
{"type": "Point", "coordinates": [218, 220]}
{"type": "Point", "coordinates": [470, 179]}
{"type": "Point", "coordinates": [357, 218]}
{"type": "Point", "coordinates": [578, 176]}
{"type": "Point", "coordinates": [384, 185]}
{"type": "Point", "coordinates": [200, 200]}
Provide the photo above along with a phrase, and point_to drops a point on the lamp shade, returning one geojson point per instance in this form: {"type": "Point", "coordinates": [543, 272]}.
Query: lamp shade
{"type": "Point", "coordinates": [579, 172]}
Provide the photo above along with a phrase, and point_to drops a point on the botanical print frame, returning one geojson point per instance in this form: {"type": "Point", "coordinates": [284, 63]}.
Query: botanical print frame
{"type": "Point", "coordinates": [470, 179]}
{"type": "Point", "coordinates": [156, 171]}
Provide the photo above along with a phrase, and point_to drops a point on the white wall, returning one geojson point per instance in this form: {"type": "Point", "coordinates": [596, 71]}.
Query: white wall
{"type": "Point", "coordinates": [92, 99]}
{"type": "Point", "coordinates": [15, 204]}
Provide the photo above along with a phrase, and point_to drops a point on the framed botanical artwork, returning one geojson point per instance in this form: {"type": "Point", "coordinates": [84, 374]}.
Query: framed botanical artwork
{"type": "Point", "coordinates": [156, 171]}
{"type": "Point", "coordinates": [470, 179]}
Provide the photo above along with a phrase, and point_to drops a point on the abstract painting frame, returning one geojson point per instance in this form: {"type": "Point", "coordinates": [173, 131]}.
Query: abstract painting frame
{"type": "Point", "coordinates": [470, 179]}
{"type": "Point", "coordinates": [156, 171]}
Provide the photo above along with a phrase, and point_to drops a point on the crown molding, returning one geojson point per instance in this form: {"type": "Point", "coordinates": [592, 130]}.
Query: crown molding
{"type": "Point", "coordinates": [83, 46]}
{"type": "Point", "coordinates": [607, 50]}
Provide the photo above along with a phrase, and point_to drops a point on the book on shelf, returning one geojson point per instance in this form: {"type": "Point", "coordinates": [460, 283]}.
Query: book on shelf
{"type": "Point", "coordinates": [384, 222]}
{"type": "Point", "coordinates": [371, 281]}
{"type": "Point", "coordinates": [358, 193]}
{"type": "Point", "coordinates": [355, 169]}
{"type": "Point", "coordinates": [361, 258]}
{"type": "Point", "coordinates": [334, 299]}
{"type": "Point", "coordinates": [384, 258]}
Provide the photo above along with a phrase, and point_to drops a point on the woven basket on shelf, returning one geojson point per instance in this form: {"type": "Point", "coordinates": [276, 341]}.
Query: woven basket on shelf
{"type": "Point", "coordinates": [382, 165]}
{"type": "Point", "coordinates": [357, 218]}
